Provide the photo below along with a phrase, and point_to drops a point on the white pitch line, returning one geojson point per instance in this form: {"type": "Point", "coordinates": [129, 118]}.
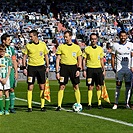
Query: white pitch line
{"type": "Point", "coordinates": [86, 114]}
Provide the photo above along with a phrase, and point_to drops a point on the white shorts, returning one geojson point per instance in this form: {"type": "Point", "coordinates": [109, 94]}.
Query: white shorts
{"type": "Point", "coordinates": [6, 86]}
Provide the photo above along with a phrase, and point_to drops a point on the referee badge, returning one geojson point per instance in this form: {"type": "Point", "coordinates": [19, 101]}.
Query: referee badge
{"type": "Point", "coordinates": [98, 57]}
{"type": "Point", "coordinates": [41, 53]}
{"type": "Point", "coordinates": [74, 54]}
{"type": "Point", "coordinates": [89, 80]}
{"type": "Point", "coordinates": [61, 79]}
{"type": "Point", "coordinates": [30, 79]}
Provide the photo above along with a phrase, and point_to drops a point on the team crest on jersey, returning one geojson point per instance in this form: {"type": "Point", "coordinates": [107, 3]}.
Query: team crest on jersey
{"type": "Point", "coordinates": [74, 54]}
{"type": "Point", "coordinates": [98, 57]}
{"type": "Point", "coordinates": [41, 53]}
{"type": "Point", "coordinates": [128, 48]}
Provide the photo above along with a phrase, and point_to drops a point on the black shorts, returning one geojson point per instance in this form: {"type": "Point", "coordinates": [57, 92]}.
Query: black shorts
{"type": "Point", "coordinates": [36, 72]}
{"type": "Point", "coordinates": [94, 75]}
{"type": "Point", "coordinates": [67, 71]}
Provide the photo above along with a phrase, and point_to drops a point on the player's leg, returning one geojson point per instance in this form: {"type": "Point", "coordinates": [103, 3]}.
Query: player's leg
{"type": "Point", "coordinates": [1, 100]}
{"type": "Point", "coordinates": [119, 80]}
{"type": "Point", "coordinates": [77, 93]}
{"type": "Point", "coordinates": [29, 96]}
{"type": "Point", "coordinates": [99, 82]}
{"type": "Point", "coordinates": [60, 96]}
{"type": "Point", "coordinates": [41, 81]}
{"type": "Point", "coordinates": [12, 93]}
{"type": "Point", "coordinates": [75, 81]}
{"type": "Point", "coordinates": [7, 96]}
{"type": "Point", "coordinates": [30, 81]}
{"type": "Point", "coordinates": [131, 91]}
{"type": "Point", "coordinates": [62, 81]}
{"type": "Point", "coordinates": [128, 79]}
{"type": "Point", "coordinates": [7, 102]}
{"type": "Point", "coordinates": [90, 84]}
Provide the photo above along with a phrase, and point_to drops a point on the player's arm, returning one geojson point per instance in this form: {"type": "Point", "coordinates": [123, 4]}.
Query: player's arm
{"type": "Point", "coordinates": [102, 65]}
{"type": "Point", "coordinates": [84, 66]}
{"type": "Point", "coordinates": [79, 64]}
{"type": "Point", "coordinates": [4, 80]}
{"type": "Point", "coordinates": [24, 64]}
{"type": "Point", "coordinates": [57, 66]}
{"type": "Point", "coordinates": [113, 62]}
{"type": "Point", "coordinates": [24, 60]}
{"type": "Point", "coordinates": [47, 62]}
{"type": "Point", "coordinates": [132, 61]}
{"type": "Point", "coordinates": [15, 65]}
{"type": "Point", "coordinates": [9, 71]}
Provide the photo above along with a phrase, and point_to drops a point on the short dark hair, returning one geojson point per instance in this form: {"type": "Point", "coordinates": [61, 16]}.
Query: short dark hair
{"type": "Point", "coordinates": [35, 33]}
{"type": "Point", "coordinates": [2, 47]}
{"type": "Point", "coordinates": [92, 34]}
{"type": "Point", "coordinates": [4, 37]}
{"type": "Point", "coordinates": [122, 31]}
{"type": "Point", "coordinates": [69, 32]}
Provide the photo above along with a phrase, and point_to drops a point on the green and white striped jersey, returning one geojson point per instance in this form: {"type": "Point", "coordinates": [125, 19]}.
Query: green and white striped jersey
{"type": "Point", "coordinates": [9, 52]}
{"type": "Point", "coordinates": [4, 64]}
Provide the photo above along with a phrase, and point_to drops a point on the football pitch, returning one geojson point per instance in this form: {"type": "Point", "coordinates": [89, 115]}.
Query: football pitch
{"type": "Point", "coordinates": [66, 121]}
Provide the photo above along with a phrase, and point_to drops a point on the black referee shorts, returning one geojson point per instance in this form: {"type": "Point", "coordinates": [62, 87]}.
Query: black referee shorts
{"type": "Point", "coordinates": [36, 72]}
{"type": "Point", "coordinates": [67, 71]}
{"type": "Point", "coordinates": [94, 75]}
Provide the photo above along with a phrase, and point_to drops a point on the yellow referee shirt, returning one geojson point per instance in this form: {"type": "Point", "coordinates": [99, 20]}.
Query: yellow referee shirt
{"type": "Point", "coordinates": [36, 53]}
{"type": "Point", "coordinates": [93, 56]}
{"type": "Point", "coordinates": [69, 53]}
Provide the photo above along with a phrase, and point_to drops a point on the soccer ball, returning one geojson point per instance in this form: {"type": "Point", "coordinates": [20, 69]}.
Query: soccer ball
{"type": "Point", "coordinates": [77, 107]}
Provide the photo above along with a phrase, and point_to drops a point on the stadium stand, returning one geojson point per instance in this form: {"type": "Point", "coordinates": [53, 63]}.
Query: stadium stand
{"type": "Point", "coordinates": [52, 17]}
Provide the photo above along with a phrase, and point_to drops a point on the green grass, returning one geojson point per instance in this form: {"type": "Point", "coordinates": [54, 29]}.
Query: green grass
{"type": "Point", "coordinates": [63, 121]}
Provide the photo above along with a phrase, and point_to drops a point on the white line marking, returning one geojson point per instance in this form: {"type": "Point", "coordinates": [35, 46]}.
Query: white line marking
{"type": "Point", "coordinates": [86, 114]}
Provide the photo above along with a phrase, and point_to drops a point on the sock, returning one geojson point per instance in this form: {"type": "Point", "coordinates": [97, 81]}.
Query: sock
{"type": "Point", "coordinates": [7, 101]}
{"type": "Point", "coordinates": [12, 100]}
{"type": "Point", "coordinates": [127, 95]}
{"type": "Point", "coordinates": [42, 99]}
{"type": "Point", "coordinates": [60, 97]}
{"type": "Point", "coordinates": [99, 97]}
{"type": "Point", "coordinates": [117, 94]}
{"type": "Point", "coordinates": [1, 104]}
{"type": "Point", "coordinates": [77, 95]}
{"type": "Point", "coordinates": [29, 98]}
{"type": "Point", "coordinates": [90, 93]}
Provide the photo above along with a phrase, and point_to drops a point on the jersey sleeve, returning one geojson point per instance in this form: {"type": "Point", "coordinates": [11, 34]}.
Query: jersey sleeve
{"type": "Point", "coordinates": [58, 51]}
{"type": "Point", "coordinates": [132, 47]}
{"type": "Point", "coordinates": [13, 51]}
{"type": "Point", "coordinates": [84, 54]}
{"type": "Point", "coordinates": [46, 51]}
{"type": "Point", "coordinates": [79, 53]}
{"type": "Point", "coordinates": [10, 62]}
{"type": "Point", "coordinates": [113, 49]}
{"type": "Point", "coordinates": [102, 53]}
{"type": "Point", "coordinates": [13, 54]}
{"type": "Point", "coordinates": [25, 51]}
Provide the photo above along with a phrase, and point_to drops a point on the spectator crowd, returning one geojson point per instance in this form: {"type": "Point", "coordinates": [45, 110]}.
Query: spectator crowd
{"type": "Point", "coordinates": [52, 18]}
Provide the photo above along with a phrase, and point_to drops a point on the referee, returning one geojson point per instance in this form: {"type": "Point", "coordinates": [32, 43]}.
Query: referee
{"type": "Point", "coordinates": [36, 51]}
{"type": "Point", "coordinates": [93, 60]}
{"type": "Point", "coordinates": [68, 64]}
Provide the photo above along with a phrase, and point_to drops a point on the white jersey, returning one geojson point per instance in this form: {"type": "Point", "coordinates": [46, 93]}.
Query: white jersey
{"type": "Point", "coordinates": [123, 55]}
